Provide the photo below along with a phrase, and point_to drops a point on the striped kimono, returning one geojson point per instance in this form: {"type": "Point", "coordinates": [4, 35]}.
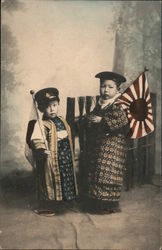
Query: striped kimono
{"type": "Point", "coordinates": [55, 174]}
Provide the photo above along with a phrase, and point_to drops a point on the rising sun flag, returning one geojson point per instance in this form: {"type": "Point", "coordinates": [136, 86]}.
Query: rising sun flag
{"type": "Point", "coordinates": [137, 103]}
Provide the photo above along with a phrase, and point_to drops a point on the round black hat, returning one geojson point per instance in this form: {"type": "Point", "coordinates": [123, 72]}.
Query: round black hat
{"type": "Point", "coordinates": [44, 96]}
{"type": "Point", "coordinates": [107, 75]}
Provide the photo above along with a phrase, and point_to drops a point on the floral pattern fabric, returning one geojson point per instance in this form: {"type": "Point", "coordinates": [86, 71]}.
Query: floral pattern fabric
{"type": "Point", "coordinates": [65, 164]}
{"type": "Point", "coordinates": [107, 153]}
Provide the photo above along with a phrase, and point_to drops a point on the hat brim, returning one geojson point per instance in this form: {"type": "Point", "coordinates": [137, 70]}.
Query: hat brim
{"type": "Point", "coordinates": [44, 96]}
{"type": "Point", "coordinates": [107, 75]}
{"type": "Point", "coordinates": [42, 93]}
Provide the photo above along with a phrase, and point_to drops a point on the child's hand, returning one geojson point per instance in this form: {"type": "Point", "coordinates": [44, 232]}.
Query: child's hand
{"type": "Point", "coordinates": [48, 152]}
{"type": "Point", "coordinates": [41, 154]}
{"type": "Point", "coordinates": [94, 118]}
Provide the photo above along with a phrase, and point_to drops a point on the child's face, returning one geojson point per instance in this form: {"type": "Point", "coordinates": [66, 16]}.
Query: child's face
{"type": "Point", "coordinates": [108, 89]}
{"type": "Point", "coordinates": [52, 109]}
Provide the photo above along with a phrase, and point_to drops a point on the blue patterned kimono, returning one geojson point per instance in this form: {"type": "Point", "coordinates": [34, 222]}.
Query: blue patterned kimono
{"type": "Point", "coordinates": [65, 163]}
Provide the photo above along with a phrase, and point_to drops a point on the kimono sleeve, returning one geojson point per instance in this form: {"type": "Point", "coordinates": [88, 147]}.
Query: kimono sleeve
{"type": "Point", "coordinates": [115, 120]}
{"type": "Point", "coordinates": [37, 141]}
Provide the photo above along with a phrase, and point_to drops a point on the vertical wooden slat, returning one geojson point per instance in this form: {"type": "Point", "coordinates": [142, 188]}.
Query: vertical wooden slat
{"type": "Point", "coordinates": [150, 146]}
{"type": "Point", "coordinates": [81, 102]}
{"type": "Point", "coordinates": [130, 162]}
{"type": "Point", "coordinates": [70, 116]}
{"type": "Point", "coordinates": [70, 109]}
{"type": "Point", "coordinates": [135, 162]}
{"type": "Point", "coordinates": [88, 104]}
{"type": "Point", "coordinates": [82, 135]}
{"type": "Point", "coordinates": [97, 98]}
{"type": "Point", "coordinates": [142, 158]}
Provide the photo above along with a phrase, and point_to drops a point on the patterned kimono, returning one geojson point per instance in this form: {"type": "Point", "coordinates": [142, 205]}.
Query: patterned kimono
{"type": "Point", "coordinates": [106, 155]}
{"type": "Point", "coordinates": [55, 174]}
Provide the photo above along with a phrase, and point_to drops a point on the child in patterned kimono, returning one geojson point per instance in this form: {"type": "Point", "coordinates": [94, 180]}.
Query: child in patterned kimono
{"type": "Point", "coordinates": [107, 146]}
{"type": "Point", "coordinates": [51, 143]}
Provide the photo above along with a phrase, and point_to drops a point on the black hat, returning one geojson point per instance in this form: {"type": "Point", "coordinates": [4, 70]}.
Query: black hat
{"type": "Point", "coordinates": [44, 96]}
{"type": "Point", "coordinates": [106, 75]}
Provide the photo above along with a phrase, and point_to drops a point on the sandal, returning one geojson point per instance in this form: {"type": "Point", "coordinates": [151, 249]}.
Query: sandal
{"type": "Point", "coordinates": [47, 213]}
{"type": "Point", "coordinates": [111, 211]}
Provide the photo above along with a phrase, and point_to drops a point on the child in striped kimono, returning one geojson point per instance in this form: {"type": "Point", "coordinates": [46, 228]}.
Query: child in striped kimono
{"type": "Point", "coordinates": [51, 143]}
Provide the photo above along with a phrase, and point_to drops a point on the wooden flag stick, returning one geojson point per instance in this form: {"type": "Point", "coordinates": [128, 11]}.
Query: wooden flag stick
{"type": "Point", "coordinates": [39, 120]}
{"type": "Point", "coordinates": [41, 129]}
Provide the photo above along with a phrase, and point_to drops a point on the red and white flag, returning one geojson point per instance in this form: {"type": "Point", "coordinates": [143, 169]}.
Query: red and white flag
{"type": "Point", "coordinates": [137, 103]}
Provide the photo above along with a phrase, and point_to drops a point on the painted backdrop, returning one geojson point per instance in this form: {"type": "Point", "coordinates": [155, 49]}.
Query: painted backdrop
{"type": "Point", "coordinates": [64, 44]}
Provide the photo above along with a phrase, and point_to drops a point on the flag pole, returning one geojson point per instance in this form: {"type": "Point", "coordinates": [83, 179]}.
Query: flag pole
{"type": "Point", "coordinates": [39, 120]}
{"type": "Point", "coordinates": [146, 69]}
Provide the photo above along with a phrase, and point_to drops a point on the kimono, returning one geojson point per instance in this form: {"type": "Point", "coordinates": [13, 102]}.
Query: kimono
{"type": "Point", "coordinates": [55, 173]}
{"type": "Point", "coordinates": [106, 155]}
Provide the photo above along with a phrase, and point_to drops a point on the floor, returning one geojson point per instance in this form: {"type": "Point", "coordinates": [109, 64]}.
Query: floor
{"type": "Point", "coordinates": [137, 227]}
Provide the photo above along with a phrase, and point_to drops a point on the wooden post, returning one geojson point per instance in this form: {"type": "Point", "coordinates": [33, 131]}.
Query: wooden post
{"type": "Point", "coordinates": [130, 165]}
{"type": "Point", "coordinates": [88, 104]}
{"type": "Point", "coordinates": [150, 145]}
{"type": "Point", "coordinates": [81, 101]}
{"type": "Point", "coordinates": [70, 115]}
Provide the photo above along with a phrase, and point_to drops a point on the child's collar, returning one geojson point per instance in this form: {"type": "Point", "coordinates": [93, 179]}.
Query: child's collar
{"type": "Point", "coordinates": [103, 103]}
